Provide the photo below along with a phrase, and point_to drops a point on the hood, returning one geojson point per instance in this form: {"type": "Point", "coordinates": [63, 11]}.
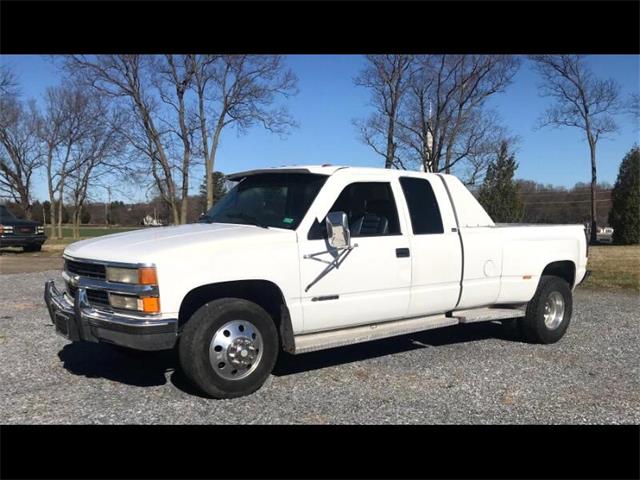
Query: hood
{"type": "Point", "coordinates": [18, 222]}
{"type": "Point", "coordinates": [152, 244]}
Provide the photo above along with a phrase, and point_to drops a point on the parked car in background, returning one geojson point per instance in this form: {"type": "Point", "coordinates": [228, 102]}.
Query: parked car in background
{"type": "Point", "coordinates": [605, 235]}
{"type": "Point", "coordinates": [17, 232]}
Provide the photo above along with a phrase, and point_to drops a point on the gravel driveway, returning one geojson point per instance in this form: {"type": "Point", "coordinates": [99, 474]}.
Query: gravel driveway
{"type": "Point", "coordinates": [461, 374]}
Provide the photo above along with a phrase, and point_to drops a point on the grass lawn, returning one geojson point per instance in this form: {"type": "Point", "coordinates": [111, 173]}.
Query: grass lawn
{"type": "Point", "coordinates": [89, 232]}
{"type": "Point", "coordinates": [614, 266]}
{"type": "Point", "coordinates": [85, 232]}
{"type": "Point", "coordinates": [54, 247]}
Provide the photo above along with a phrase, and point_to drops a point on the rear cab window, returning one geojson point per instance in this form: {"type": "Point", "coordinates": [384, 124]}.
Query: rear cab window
{"type": "Point", "coordinates": [423, 206]}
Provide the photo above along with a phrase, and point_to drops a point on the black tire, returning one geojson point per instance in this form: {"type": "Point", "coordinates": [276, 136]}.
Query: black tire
{"type": "Point", "coordinates": [533, 325]}
{"type": "Point", "coordinates": [32, 248]}
{"type": "Point", "coordinates": [197, 336]}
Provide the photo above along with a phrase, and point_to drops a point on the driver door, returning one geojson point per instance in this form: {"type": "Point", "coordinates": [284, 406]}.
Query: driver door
{"type": "Point", "coordinates": [371, 281]}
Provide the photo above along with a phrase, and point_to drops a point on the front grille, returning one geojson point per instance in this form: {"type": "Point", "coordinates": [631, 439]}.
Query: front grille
{"type": "Point", "coordinates": [99, 297]}
{"type": "Point", "coordinates": [84, 269]}
{"type": "Point", "coordinates": [23, 230]}
{"type": "Point", "coordinates": [95, 297]}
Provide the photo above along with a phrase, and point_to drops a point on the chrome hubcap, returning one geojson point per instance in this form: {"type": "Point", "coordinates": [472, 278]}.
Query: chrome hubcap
{"type": "Point", "coordinates": [554, 310]}
{"type": "Point", "coordinates": [235, 350]}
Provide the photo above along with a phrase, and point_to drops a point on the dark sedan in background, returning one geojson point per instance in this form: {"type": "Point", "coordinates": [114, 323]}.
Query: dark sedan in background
{"type": "Point", "coordinates": [16, 232]}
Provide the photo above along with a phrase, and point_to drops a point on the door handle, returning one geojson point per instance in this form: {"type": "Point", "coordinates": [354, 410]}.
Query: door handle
{"type": "Point", "coordinates": [402, 252]}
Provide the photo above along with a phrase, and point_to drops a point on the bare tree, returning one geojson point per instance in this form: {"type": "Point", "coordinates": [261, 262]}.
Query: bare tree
{"type": "Point", "coordinates": [203, 66]}
{"type": "Point", "coordinates": [429, 109]}
{"type": "Point", "coordinates": [174, 76]}
{"type": "Point", "coordinates": [96, 157]}
{"type": "Point", "coordinates": [387, 77]}
{"type": "Point", "coordinates": [20, 152]}
{"type": "Point", "coordinates": [176, 98]}
{"type": "Point", "coordinates": [8, 82]}
{"type": "Point", "coordinates": [127, 77]}
{"type": "Point", "coordinates": [581, 100]}
{"type": "Point", "coordinates": [71, 113]}
{"type": "Point", "coordinates": [445, 120]}
{"type": "Point", "coordinates": [239, 91]}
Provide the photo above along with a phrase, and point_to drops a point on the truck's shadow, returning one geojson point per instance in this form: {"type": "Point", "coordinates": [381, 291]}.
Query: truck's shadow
{"type": "Point", "coordinates": [147, 369]}
{"type": "Point", "coordinates": [291, 364]}
{"type": "Point", "coordinates": [98, 360]}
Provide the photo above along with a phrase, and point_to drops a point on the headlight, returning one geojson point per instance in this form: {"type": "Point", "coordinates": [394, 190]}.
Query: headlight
{"type": "Point", "coordinates": [140, 276]}
{"type": "Point", "coordinates": [39, 229]}
{"type": "Point", "coordinates": [129, 302]}
{"type": "Point", "coordinates": [6, 229]}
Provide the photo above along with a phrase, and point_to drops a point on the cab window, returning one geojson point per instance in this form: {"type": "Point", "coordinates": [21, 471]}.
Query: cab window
{"type": "Point", "coordinates": [423, 206]}
{"type": "Point", "coordinates": [370, 208]}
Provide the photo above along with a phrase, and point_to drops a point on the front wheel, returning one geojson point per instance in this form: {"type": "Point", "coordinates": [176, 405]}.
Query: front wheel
{"type": "Point", "coordinates": [229, 347]}
{"type": "Point", "coordinates": [549, 312]}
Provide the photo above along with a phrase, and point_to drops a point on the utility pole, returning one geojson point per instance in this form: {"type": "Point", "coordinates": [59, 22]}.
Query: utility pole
{"type": "Point", "coordinates": [429, 140]}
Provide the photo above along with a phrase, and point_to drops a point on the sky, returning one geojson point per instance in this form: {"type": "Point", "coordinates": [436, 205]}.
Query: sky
{"type": "Point", "coordinates": [328, 102]}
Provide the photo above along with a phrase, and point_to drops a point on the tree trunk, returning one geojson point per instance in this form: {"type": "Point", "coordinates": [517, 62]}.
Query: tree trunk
{"type": "Point", "coordinates": [52, 200]}
{"type": "Point", "coordinates": [388, 161]}
{"type": "Point", "coordinates": [594, 184]}
{"type": "Point", "coordinates": [52, 215]}
{"type": "Point", "coordinates": [447, 159]}
{"type": "Point", "coordinates": [26, 206]}
{"type": "Point", "coordinates": [60, 207]}
{"type": "Point", "coordinates": [77, 212]}
{"type": "Point", "coordinates": [212, 158]}
{"type": "Point", "coordinates": [205, 147]}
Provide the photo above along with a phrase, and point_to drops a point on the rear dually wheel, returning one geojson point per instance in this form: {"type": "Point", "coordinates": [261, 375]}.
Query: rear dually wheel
{"type": "Point", "coordinates": [549, 312]}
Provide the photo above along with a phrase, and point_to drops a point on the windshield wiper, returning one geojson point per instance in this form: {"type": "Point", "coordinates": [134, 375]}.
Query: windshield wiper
{"type": "Point", "coordinates": [248, 218]}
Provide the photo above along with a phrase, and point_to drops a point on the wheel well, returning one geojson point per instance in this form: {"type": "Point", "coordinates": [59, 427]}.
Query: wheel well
{"type": "Point", "coordinates": [564, 269]}
{"type": "Point", "coordinates": [262, 292]}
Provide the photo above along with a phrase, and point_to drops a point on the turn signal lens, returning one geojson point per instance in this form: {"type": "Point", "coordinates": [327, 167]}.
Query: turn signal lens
{"type": "Point", "coordinates": [151, 304]}
{"type": "Point", "coordinates": [147, 276]}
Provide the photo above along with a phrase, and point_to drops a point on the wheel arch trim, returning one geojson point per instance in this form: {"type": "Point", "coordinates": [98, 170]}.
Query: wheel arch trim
{"type": "Point", "coordinates": [264, 293]}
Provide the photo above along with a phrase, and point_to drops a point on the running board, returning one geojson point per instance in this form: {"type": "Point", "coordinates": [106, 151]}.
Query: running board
{"type": "Point", "coordinates": [311, 342]}
{"type": "Point", "coordinates": [347, 336]}
{"type": "Point", "coordinates": [487, 314]}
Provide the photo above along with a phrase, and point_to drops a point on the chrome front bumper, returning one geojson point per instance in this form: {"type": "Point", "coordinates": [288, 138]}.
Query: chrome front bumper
{"type": "Point", "coordinates": [79, 321]}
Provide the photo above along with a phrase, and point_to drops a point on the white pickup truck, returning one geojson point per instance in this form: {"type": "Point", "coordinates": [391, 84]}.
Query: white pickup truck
{"type": "Point", "coordinates": [308, 258]}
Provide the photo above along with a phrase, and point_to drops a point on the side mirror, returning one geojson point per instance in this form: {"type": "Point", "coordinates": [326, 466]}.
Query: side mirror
{"type": "Point", "coordinates": [338, 230]}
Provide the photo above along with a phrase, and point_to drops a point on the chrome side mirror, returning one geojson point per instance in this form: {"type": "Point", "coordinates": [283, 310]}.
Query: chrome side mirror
{"type": "Point", "coordinates": [338, 230]}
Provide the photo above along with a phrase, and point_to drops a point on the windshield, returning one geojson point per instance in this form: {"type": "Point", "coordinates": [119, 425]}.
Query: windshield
{"type": "Point", "coordinates": [5, 213]}
{"type": "Point", "coordinates": [268, 200]}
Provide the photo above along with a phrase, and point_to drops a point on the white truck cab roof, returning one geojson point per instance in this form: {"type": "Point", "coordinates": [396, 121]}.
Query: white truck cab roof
{"type": "Point", "coordinates": [468, 211]}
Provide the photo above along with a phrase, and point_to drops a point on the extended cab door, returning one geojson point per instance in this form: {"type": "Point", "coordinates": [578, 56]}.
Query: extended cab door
{"type": "Point", "coordinates": [436, 251]}
{"type": "Point", "coordinates": [372, 282]}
